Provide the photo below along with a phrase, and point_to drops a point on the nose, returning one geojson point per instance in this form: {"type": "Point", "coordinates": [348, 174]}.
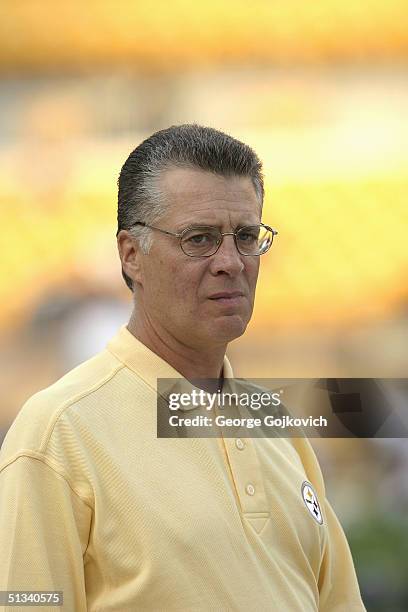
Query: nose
{"type": "Point", "coordinates": [227, 260]}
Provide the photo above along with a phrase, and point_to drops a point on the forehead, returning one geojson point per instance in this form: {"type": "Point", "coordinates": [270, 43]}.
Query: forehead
{"type": "Point", "coordinates": [197, 194]}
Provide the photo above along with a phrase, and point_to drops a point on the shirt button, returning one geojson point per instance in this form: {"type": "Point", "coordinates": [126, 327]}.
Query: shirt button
{"type": "Point", "coordinates": [250, 489]}
{"type": "Point", "coordinates": [239, 444]}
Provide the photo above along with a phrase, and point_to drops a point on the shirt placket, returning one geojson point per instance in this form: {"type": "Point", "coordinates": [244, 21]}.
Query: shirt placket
{"type": "Point", "coordinates": [246, 474]}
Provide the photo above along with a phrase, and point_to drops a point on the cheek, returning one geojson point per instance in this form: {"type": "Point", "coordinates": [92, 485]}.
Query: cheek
{"type": "Point", "coordinates": [252, 270]}
{"type": "Point", "coordinates": [178, 283]}
{"type": "Point", "coordinates": [159, 282]}
{"type": "Point", "coordinates": [189, 281]}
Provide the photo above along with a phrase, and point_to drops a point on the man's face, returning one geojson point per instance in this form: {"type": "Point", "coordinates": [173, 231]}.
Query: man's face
{"type": "Point", "coordinates": [178, 292]}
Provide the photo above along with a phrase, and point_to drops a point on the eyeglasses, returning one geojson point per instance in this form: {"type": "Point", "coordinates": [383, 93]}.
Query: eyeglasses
{"type": "Point", "coordinates": [205, 240]}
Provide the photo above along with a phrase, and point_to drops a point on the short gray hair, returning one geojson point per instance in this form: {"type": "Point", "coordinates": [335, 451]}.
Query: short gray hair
{"type": "Point", "coordinates": [186, 146]}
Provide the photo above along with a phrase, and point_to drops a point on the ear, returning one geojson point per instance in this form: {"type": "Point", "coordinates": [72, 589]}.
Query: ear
{"type": "Point", "coordinates": [131, 256]}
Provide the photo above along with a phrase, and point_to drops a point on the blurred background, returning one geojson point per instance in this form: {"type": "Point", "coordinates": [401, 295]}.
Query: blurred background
{"type": "Point", "coordinates": [320, 90]}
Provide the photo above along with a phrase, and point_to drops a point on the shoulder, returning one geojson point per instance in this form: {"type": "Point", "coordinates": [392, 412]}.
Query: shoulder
{"type": "Point", "coordinates": [79, 389]}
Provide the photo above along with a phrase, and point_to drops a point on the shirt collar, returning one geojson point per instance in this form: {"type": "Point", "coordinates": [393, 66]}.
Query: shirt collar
{"type": "Point", "coordinates": [149, 366]}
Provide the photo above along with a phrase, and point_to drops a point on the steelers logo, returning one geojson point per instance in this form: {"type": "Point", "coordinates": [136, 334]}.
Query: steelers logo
{"type": "Point", "coordinates": [311, 502]}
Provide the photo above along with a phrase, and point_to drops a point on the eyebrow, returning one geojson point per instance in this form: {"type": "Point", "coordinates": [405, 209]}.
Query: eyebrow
{"type": "Point", "coordinates": [181, 228]}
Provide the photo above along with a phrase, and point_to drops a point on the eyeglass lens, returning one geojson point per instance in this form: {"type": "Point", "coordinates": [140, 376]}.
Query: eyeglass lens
{"type": "Point", "coordinates": [204, 241]}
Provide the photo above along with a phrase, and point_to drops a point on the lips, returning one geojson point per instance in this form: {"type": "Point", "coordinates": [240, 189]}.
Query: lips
{"type": "Point", "coordinates": [228, 300]}
{"type": "Point", "coordinates": [226, 295]}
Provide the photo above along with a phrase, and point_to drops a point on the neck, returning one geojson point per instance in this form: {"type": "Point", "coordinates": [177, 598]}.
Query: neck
{"type": "Point", "coordinates": [191, 362]}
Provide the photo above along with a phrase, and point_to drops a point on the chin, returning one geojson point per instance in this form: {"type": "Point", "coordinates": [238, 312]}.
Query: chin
{"type": "Point", "coordinates": [229, 328]}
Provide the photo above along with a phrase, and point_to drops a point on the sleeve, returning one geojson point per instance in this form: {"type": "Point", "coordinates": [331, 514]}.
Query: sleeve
{"type": "Point", "coordinates": [44, 532]}
{"type": "Point", "coordinates": [338, 586]}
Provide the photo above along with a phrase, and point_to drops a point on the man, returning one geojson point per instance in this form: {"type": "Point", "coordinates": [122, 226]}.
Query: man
{"type": "Point", "coordinates": [93, 503]}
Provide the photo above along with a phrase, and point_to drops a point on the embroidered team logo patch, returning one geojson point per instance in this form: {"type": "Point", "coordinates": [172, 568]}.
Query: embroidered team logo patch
{"type": "Point", "coordinates": [311, 502]}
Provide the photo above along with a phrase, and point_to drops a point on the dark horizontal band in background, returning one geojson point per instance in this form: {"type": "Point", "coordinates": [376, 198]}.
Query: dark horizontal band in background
{"type": "Point", "coordinates": [323, 408]}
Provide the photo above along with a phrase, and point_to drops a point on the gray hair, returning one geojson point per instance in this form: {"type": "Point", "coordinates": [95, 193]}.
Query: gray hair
{"type": "Point", "coordinates": [186, 146]}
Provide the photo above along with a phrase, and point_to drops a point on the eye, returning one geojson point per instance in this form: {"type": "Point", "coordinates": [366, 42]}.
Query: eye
{"type": "Point", "coordinates": [248, 235]}
{"type": "Point", "coordinates": [199, 239]}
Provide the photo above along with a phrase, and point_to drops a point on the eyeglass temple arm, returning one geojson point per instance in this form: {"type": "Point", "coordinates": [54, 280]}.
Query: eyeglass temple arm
{"type": "Point", "coordinates": [274, 232]}
{"type": "Point", "coordinates": [156, 228]}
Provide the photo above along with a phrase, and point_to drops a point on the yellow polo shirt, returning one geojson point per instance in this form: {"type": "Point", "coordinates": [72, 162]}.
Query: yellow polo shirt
{"type": "Point", "coordinates": [95, 505]}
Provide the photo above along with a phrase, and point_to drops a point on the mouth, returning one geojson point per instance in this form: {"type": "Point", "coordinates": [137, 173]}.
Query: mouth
{"type": "Point", "coordinates": [230, 298]}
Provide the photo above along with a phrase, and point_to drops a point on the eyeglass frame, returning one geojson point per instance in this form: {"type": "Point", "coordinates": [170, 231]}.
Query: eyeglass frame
{"type": "Point", "coordinates": [222, 234]}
